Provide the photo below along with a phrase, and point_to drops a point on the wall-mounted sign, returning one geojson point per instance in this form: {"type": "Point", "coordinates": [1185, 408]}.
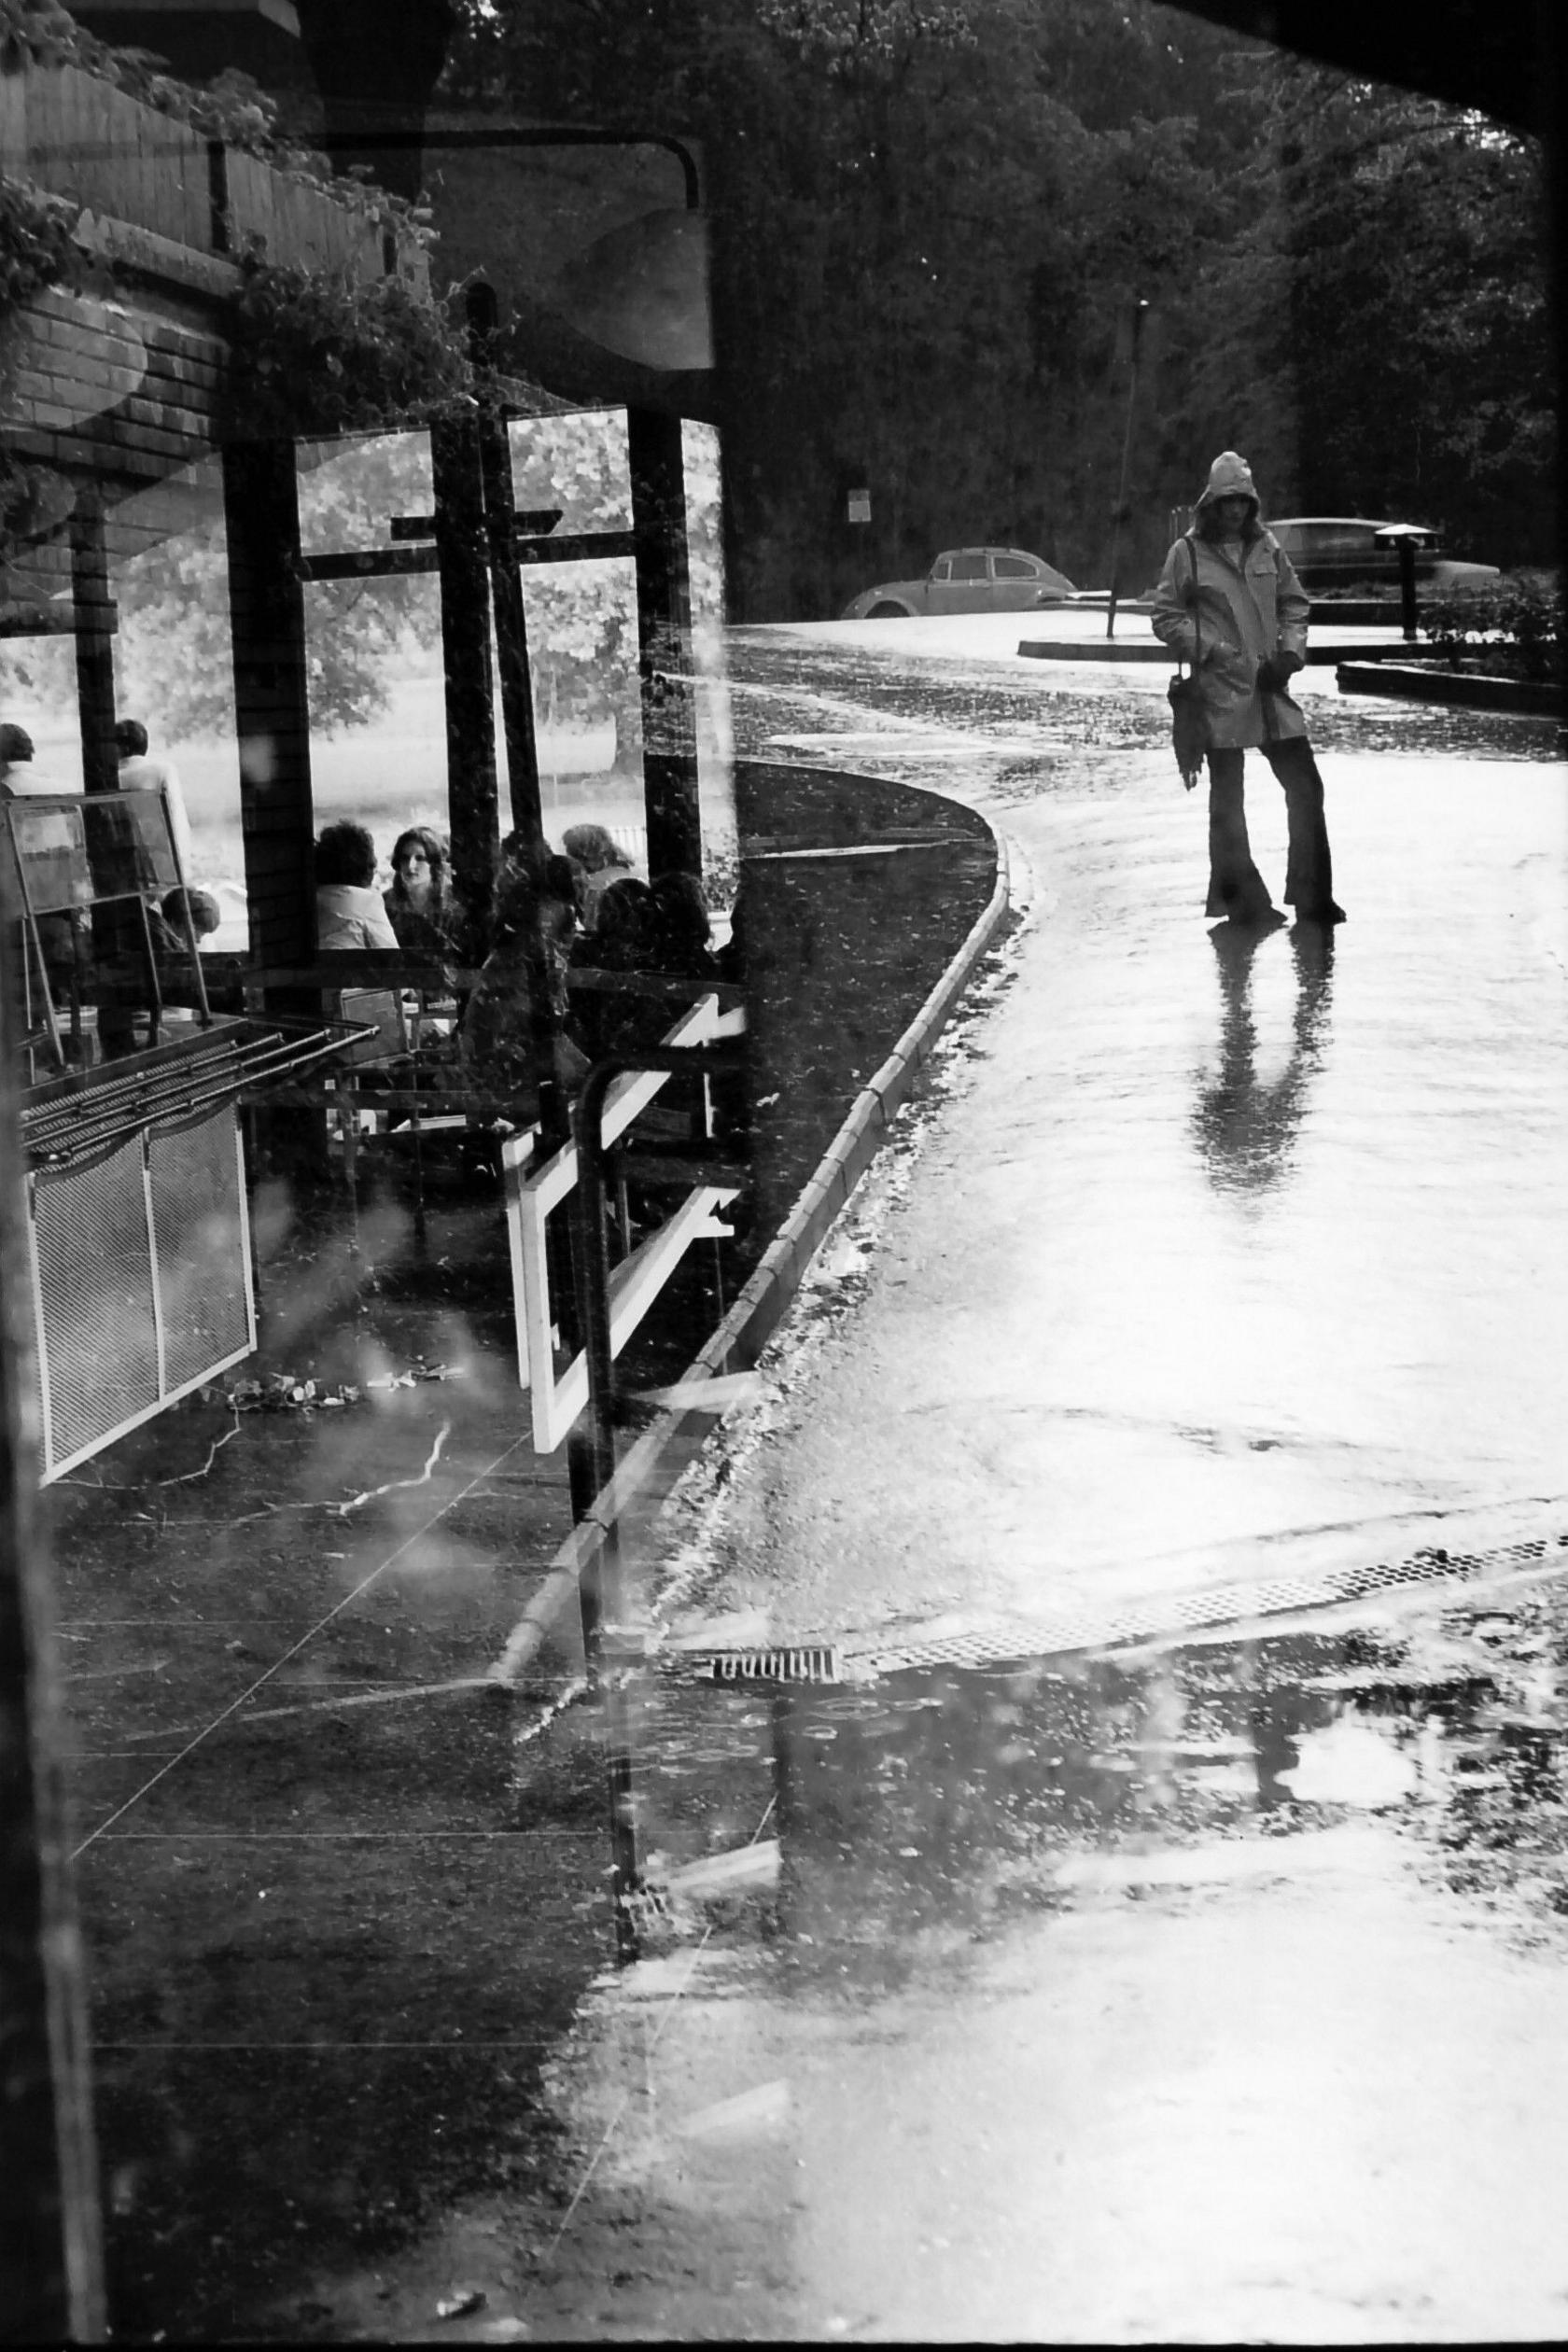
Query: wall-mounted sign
{"type": "Point", "coordinates": [860, 506]}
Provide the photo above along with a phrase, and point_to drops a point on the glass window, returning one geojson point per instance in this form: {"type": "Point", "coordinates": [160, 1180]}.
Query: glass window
{"type": "Point", "coordinates": [700, 453]}
{"type": "Point", "coordinates": [373, 645]}
{"type": "Point", "coordinates": [942, 567]}
{"type": "Point", "coordinates": [38, 691]}
{"type": "Point", "coordinates": [582, 627]}
{"type": "Point", "coordinates": [169, 576]}
{"type": "Point", "coordinates": [1015, 567]}
{"type": "Point", "coordinates": [971, 564]}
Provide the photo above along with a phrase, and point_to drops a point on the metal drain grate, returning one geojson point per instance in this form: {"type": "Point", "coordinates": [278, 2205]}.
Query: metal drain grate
{"type": "Point", "coordinates": [997, 1645]}
{"type": "Point", "coordinates": [779, 1665]}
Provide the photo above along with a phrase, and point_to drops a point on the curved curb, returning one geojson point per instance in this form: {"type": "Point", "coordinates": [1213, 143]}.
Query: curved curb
{"type": "Point", "coordinates": [759, 1307]}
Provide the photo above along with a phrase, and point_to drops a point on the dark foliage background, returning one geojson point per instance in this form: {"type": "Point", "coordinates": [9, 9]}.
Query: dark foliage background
{"type": "Point", "coordinates": [933, 220]}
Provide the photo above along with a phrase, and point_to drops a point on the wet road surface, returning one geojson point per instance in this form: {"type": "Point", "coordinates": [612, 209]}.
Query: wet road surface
{"type": "Point", "coordinates": [1226, 1254]}
{"type": "Point", "coordinates": [1188, 1963]}
{"type": "Point", "coordinates": [1204, 1987]}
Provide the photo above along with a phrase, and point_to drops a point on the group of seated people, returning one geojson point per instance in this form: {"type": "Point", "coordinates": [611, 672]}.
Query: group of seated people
{"type": "Point", "coordinates": [584, 908]}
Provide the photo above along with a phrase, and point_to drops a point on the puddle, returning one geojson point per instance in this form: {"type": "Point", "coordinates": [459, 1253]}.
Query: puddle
{"type": "Point", "coordinates": [834, 1888]}
{"type": "Point", "coordinates": [1271, 1732]}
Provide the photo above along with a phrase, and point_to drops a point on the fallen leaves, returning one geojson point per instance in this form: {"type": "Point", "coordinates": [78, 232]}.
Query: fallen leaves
{"type": "Point", "coordinates": [286, 1393]}
{"type": "Point", "coordinates": [280, 1392]}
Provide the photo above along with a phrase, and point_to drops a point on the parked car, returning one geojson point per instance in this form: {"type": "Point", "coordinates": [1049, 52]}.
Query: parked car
{"type": "Point", "coordinates": [1339, 555]}
{"type": "Point", "coordinates": [966, 580]}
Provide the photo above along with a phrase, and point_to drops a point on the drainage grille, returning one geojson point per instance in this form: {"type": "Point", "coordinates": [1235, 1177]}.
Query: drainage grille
{"type": "Point", "coordinates": [998, 1645]}
{"type": "Point", "coordinates": [778, 1665]}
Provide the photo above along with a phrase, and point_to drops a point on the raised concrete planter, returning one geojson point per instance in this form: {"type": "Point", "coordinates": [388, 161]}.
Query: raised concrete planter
{"type": "Point", "coordinates": [1149, 649]}
{"type": "Point", "coordinates": [1466, 689]}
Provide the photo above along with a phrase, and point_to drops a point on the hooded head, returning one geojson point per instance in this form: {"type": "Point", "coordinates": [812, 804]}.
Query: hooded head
{"type": "Point", "coordinates": [1229, 477]}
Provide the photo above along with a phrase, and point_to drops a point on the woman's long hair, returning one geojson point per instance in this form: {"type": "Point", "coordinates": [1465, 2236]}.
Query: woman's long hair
{"type": "Point", "coordinates": [421, 837]}
{"type": "Point", "coordinates": [1206, 524]}
{"type": "Point", "coordinates": [594, 848]}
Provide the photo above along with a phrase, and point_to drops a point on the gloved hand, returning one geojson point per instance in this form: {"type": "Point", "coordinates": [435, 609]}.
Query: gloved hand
{"type": "Point", "coordinates": [1275, 674]}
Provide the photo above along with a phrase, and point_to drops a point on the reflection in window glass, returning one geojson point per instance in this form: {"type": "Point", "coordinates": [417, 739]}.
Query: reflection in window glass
{"type": "Point", "coordinates": [38, 691]}
{"type": "Point", "coordinates": [374, 672]}
{"type": "Point", "coordinates": [715, 735]}
{"type": "Point", "coordinates": [353, 487]}
{"type": "Point", "coordinates": [583, 636]}
{"type": "Point", "coordinates": [174, 668]}
{"type": "Point", "coordinates": [577, 462]}
{"type": "Point", "coordinates": [38, 671]}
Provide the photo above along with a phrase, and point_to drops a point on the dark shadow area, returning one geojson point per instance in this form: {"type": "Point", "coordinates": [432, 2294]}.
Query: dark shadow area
{"type": "Point", "coordinates": [336, 1915]}
{"type": "Point", "coordinates": [857, 893]}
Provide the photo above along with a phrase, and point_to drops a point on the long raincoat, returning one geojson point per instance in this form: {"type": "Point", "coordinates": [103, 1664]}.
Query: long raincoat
{"type": "Point", "coordinates": [1244, 614]}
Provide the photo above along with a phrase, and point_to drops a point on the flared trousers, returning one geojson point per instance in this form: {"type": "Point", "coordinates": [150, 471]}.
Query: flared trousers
{"type": "Point", "coordinates": [1236, 888]}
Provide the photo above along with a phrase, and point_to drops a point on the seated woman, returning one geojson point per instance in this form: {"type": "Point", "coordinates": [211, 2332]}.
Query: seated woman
{"type": "Point", "coordinates": [348, 908]}
{"type": "Point", "coordinates": [420, 906]}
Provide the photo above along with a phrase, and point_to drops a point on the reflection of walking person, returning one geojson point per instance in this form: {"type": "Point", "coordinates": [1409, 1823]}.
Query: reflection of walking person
{"type": "Point", "coordinates": [1229, 594]}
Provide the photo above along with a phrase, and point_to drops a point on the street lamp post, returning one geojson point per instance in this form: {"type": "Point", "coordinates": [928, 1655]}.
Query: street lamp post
{"type": "Point", "coordinates": [1140, 312]}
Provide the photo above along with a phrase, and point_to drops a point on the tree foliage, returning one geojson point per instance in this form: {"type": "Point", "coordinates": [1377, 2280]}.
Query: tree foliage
{"type": "Point", "coordinates": [320, 351]}
{"type": "Point", "coordinates": [172, 653]}
{"type": "Point", "coordinates": [1415, 327]}
{"type": "Point", "coordinates": [934, 218]}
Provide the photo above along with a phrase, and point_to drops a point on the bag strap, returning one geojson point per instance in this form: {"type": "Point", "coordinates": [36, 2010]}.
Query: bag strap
{"type": "Point", "coordinates": [1192, 598]}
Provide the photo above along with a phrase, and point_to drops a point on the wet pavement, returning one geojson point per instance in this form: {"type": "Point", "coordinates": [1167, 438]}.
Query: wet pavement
{"type": "Point", "coordinates": [1230, 1252]}
{"type": "Point", "coordinates": [1155, 1983]}
{"type": "Point", "coordinates": [1155, 1926]}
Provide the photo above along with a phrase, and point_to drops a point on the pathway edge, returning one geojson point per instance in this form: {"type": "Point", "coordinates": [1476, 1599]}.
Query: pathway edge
{"type": "Point", "coordinates": [760, 1306]}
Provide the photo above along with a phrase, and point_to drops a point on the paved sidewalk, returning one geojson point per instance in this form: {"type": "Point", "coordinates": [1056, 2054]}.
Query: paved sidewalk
{"type": "Point", "coordinates": [1212, 1992]}
{"type": "Point", "coordinates": [1210, 1988]}
{"type": "Point", "coordinates": [1228, 1257]}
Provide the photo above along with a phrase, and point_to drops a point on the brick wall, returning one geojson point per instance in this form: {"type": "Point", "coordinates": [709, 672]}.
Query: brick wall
{"type": "Point", "coordinates": [108, 387]}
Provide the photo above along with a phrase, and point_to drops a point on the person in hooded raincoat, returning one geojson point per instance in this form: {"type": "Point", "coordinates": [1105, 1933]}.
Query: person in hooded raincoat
{"type": "Point", "coordinates": [1229, 594]}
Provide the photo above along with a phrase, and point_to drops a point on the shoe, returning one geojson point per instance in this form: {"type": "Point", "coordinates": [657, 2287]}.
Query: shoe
{"type": "Point", "coordinates": [1332, 913]}
{"type": "Point", "coordinates": [1254, 918]}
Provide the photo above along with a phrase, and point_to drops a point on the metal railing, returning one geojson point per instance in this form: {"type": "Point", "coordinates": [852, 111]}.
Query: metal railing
{"type": "Point", "coordinates": [630, 1085]}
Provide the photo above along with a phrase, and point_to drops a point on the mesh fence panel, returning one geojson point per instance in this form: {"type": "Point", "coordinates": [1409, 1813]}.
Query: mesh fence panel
{"type": "Point", "coordinates": [198, 1221]}
{"type": "Point", "coordinates": [95, 1285]}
